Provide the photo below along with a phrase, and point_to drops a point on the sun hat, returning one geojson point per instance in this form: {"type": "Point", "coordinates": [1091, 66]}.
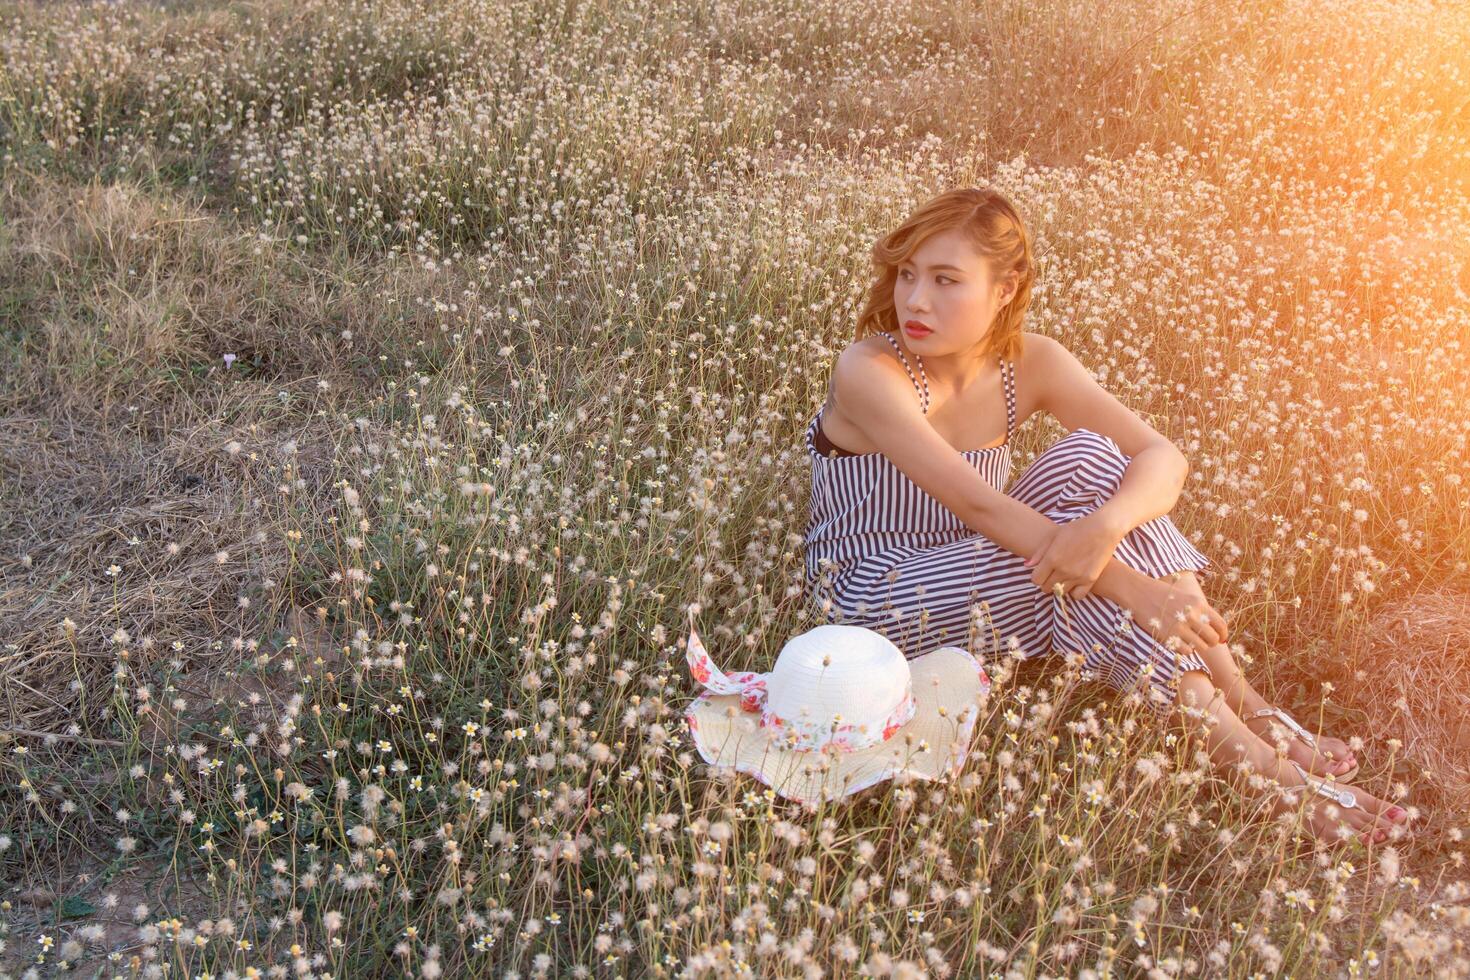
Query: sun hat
{"type": "Point", "coordinates": [841, 710]}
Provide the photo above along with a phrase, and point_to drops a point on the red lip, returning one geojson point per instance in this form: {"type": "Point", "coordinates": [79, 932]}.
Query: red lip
{"type": "Point", "coordinates": [917, 328]}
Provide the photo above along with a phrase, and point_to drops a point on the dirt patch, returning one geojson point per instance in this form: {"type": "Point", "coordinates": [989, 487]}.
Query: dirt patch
{"type": "Point", "coordinates": [93, 910]}
{"type": "Point", "coordinates": [94, 907]}
{"type": "Point", "coordinates": [213, 694]}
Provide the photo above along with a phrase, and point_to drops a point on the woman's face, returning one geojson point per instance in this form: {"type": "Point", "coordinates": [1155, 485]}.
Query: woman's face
{"type": "Point", "coordinates": [946, 286]}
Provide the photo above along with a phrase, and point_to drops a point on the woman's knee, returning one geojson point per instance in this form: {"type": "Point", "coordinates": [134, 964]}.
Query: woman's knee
{"type": "Point", "coordinates": [1197, 691]}
{"type": "Point", "coordinates": [1097, 471]}
{"type": "Point", "coordinates": [1100, 444]}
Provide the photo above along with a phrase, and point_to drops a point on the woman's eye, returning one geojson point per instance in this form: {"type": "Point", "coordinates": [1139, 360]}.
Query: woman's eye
{"type": "Point", "coordinates": [904, 274]}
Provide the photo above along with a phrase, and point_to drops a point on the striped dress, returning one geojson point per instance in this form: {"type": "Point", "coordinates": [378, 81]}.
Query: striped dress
{"type": "Point", "coordinates": [882, 553]}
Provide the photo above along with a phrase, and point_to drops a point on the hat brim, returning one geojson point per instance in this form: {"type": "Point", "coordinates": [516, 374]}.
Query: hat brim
{"type": "Point", "coordinates": [949, 687]}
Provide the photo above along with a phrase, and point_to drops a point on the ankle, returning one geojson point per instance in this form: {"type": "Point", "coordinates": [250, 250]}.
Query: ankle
{"type": "Point", "coordinates": [1287, 787]}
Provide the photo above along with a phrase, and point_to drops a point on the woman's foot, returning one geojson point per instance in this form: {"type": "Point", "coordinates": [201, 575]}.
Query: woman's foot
{"type": "Point", "coordinates": [1333, 810]}
{"type": "Point", "coordinates": [1331, 819]}
{"type": "Point", "coordinates": [1331, 757]}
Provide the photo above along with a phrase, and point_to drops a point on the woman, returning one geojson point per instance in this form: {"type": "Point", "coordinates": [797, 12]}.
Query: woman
{"type": "Point", "coordinates": [916, 535]}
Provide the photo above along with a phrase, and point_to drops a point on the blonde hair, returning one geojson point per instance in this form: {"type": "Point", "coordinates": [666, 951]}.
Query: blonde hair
{"type": "Point", "coordinates": [992, 225]}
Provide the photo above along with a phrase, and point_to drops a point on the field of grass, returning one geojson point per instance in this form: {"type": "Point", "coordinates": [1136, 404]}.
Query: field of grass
{"type": "Point", "coordinates": [382, 383]}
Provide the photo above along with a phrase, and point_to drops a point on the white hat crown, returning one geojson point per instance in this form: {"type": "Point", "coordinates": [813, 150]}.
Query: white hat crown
{"type": "Point", "coordinates": [834, 679]}
{"type": "Point", "coordinates": [838, 688]}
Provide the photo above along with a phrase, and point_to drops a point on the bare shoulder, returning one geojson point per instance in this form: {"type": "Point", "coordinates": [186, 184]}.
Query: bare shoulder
{"type": "Point", "coordinates": [1037, 349]}
{"type": "Point", "coordinates": [858, 366]}
{"type": "Point", "coordinates": [863, 356]}
{"type": "Point", "coordinates": [872, 347]}
{"type": "Point", "coordinates": [862, 369]}
{"type": "Point", "coordinates": [1035, 369]}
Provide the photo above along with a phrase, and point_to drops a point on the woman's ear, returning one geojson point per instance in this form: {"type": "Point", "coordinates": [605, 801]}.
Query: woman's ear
{"type": "Point", "coordinates": [1011, 286]}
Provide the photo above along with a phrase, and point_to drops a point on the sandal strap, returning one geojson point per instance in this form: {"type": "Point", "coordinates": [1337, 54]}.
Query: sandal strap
{"type": "Point", "coordinates": [1341, 796]}
{"type": "Point", "coordinates": [1289, 722]}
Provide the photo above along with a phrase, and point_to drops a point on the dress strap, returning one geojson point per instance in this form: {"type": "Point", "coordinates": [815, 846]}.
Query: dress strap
{"type": "Point", "coordinates": [924, 391]}
{"type": "Point", "coordinates": [1007, 373]}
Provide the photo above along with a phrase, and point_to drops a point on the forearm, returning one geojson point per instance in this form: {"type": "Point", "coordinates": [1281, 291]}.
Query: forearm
{"type": "Point", "coordinates": [1021, 530]}
{"type": "Point", "coordinates": [1150, 488]}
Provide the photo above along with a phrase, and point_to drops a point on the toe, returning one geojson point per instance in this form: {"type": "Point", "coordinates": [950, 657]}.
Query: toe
{"type": "Point", "coordinates": [1379, 817]}
{"type": "Point", "coordinates": [1367, 827]}
{"type": "Point", "coordinates": [1386, 813]}
{"type": "Point", "coordinates": [1340, 750]}
{"type": "Point", "coordinates": [1389, 827]}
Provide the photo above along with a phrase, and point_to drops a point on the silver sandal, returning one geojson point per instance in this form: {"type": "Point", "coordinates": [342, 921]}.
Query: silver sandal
{"type": "Point", "coordinates": [1343, 797]}
{"type": "Point", "coordinates": [1306, 737]}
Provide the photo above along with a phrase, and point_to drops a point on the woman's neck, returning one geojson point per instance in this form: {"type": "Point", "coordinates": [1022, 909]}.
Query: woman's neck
{"type": "Point", "coordinates": [955, 371]}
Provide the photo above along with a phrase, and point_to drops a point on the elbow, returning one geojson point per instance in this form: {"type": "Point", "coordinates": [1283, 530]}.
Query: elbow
{"type": "Point", "coordinates": [1180, 460]}
{"type": "Point", "coordinates": [980, 515]}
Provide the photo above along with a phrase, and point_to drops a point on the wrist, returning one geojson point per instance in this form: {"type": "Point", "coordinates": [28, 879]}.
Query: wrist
{"type": "Point", "coordinates": [1121, 583]}
{"type": "Point", "coordinates": [1109, 519]}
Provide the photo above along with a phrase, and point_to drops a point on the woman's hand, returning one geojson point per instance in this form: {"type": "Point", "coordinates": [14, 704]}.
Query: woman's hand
{"type": "Point", "coordinates": [1168, 611]}
{"type": "Point", "coordinates": [1074, 556]}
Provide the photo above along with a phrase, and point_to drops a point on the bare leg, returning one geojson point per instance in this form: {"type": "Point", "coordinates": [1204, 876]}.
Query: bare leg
{"type": "Point", "coordinates": [1242, 756]}
{"type": "Point", "coordinates": [1244, 700]}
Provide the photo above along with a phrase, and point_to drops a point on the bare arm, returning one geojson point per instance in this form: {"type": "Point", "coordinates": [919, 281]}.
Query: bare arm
{"type": "Point", "coordinates": [1021, 530]}
{"type": "Point", "coordinates": [1150, 488]}
{"type": "Point", "coordinates": [1156, 469]}
{"type": "Point", "coordinates": [880, 399]}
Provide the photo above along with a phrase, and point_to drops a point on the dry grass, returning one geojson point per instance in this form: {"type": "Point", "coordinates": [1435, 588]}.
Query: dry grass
{"type": "Point", "coordinates": [120, 405]}
{"type": "Point", "coordinates": [1416, 656]}
{"type": "Point", "coordinates": [126, 300]}
{"type": "Point", "coordinates": [171, 515]}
